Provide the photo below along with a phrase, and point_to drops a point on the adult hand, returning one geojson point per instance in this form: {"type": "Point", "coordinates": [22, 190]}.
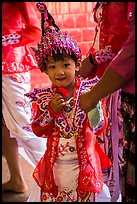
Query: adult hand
{"type": "Point", "coordinates": [86, 102]}
{"type": "Point", "coordinates": [87, 69]}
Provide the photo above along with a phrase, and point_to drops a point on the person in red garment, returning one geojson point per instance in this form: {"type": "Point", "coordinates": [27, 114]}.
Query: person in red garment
{"type": "Point", "coordinates": [72, 148]}
{"type": "Point", "coordinates": [111, 32]}
{"type": "Point", "coordinates": [20, 26]}
{"type": "Point", "coordinates": [121, 71]}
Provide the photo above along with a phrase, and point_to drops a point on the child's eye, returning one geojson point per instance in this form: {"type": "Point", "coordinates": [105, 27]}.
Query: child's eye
{"type": "Point", "coordinates": [51, 67]}
{"type": "Point", "coordinates": [66, 65]}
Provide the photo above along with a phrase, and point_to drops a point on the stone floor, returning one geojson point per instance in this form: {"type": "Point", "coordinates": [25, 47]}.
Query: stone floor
{"type": "Point", "coordinates": [27, 172]}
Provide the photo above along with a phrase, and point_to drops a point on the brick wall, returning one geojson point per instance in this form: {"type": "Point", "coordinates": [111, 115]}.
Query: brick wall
{"type": "Point", "coordinates": [75, 18]}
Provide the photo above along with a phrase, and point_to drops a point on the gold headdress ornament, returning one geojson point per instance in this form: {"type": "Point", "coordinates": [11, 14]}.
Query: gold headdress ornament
{"type": "Point", "coordinates": [53, 39]}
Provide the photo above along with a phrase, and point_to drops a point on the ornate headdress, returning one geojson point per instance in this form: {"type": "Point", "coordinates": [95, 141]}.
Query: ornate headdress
{"type": "Point", "coordinates": [53, 39]}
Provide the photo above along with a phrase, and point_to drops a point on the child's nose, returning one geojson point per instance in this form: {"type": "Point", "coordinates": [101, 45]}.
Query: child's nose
{"type": "Point", "coordinates": [60, 71]}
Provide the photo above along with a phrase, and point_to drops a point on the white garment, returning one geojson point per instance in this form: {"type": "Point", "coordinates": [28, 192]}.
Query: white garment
{"type": "Point", "coordinates": [66, 171]}
{"type": "Point", "coordinates": [104, 196]}
{"type": "Point", "coordinates": [35, 194]}
{"type": "Point", "coordinates": [16, 110]}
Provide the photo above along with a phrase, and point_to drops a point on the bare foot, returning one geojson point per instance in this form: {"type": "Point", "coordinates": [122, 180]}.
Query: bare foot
{"type": "Point", "coordinates": [14, 187]}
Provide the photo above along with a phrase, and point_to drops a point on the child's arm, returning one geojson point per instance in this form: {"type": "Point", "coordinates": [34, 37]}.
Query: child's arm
{"type": "Point", "coordinates": [43, 124]}
{"type": "Point", "coordinates": [47, 107]}
{"type": "Point", "coordinates": [56, 104]}
{"type": "Point", "coordinates": [40, 126]}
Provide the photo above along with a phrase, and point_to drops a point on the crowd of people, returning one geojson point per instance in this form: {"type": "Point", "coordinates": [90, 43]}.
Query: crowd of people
{"type": "Point", "coordinates": [84, 123]}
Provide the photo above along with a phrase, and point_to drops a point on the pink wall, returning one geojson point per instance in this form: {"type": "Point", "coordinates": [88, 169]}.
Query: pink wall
{"type": "Point", "coordinates": [75, 18]}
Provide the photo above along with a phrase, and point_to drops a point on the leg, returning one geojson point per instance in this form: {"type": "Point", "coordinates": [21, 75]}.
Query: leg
{"type": "Point", "coordinates": [16, 111]}
{"type": "Point", "coordinates": [10, 152]}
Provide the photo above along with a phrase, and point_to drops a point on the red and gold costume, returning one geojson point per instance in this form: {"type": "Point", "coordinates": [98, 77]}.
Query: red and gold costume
{"type": "Point", "coordinates": [70, 139]}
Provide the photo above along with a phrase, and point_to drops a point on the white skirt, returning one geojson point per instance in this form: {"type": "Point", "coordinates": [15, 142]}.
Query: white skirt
{"type": "Point", "coordinates": [66, 172]}
{"type": "Point", "coordinates": [16, 110]}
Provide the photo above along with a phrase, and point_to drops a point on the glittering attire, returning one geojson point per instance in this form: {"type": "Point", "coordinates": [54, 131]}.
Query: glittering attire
{"type": "Point", "coordinates": [19, 18]}
{"type": "Point", "coordinates": [126, 58]}
{"type": "Point", "coordinates": [70, 169]}
{"type": "Point", "coordinates": [112, 29]}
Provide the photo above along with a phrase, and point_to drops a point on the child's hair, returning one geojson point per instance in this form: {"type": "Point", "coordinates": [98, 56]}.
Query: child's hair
{"type": "Point", "coordinates": [53, 41]}
{"type": "Point", "coordinates": [58, 56]}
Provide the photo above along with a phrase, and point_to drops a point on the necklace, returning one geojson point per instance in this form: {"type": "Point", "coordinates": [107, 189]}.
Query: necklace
{"type": "Point", "coordinates": [69, 106]}
{"type": "Point", "coordinates": [71, 123]}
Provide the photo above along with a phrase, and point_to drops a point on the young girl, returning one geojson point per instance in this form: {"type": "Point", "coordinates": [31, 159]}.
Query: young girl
{"type": "Point", "coordinates": [71, 168]}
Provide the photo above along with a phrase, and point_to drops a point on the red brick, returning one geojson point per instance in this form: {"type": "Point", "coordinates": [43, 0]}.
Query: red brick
{"type": "Point", "coordinates": [91, 22]}
{"type": "Point", "coordinates": [69, 21]}
{"type": "Point", "coordinates": [90, 6]}
{"type": "Point", "coordinates": [62, 7]}
{"type": "Point", "coordinates": [58, 21]}
{"type": "Point", "coordinates": [51, 6]}
{"type": "Point", "coordinates": [81, 20]}
{"type": "Point", "coordinates": [76, 7]}
{"type": "Point", "coordinates": [88, 34]}
{"type": "Point", "coordinates": [39, 79]}
{"type": "Point", "coordinates": [77, 34]}
{"type": "Point", "coordinates": [84, 47]}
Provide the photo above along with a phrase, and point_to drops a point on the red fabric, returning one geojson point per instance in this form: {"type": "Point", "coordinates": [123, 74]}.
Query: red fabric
{"type": "Point", "coordinates": [38, 130]}
{"type": "Point", "coordinates": [19, 17]}
{"type": "Point", "coordinates": [42, 131]}
{"type": "Point", "coordinates": [126, 57]}
{"type": "Point", "coordinates": [115, 26]}
{"type": "Point", "coordinates": [43, 173]}
{"type": "Point", "coordinates": [105, 161]}
{"type": "Point", "coordinates": [90, 175]}
{"type": "Point", "coordinates": [60, 90]}
{"type": "Point", "coordinates": [114, 29]}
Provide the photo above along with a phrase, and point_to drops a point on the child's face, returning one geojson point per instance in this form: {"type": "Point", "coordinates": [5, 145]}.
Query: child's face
{"type": "Point", "coordinates": [62, 72]}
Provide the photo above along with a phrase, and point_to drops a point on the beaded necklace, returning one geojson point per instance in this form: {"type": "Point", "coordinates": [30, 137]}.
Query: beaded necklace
{"type": "Point", "coordinates": [69, 106]}
{"type": "Point", "coordinates": [72, 123]}
{"type": "Point", "coordinates": [69, 124]}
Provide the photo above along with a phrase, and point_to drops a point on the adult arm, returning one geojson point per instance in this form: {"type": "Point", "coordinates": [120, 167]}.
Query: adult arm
{"type": "Point", "coordinates": [116, 29]}
{"type": "Point", "coordinates": [110, 82]}
{"type": "Point", "coordinates": [87, 68]}
{"type": "Point", "coordinates": [120, 71]}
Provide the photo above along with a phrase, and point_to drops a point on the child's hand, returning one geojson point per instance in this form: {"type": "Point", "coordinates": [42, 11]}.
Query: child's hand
{"type": "Point", "coordinates": [57, 102]}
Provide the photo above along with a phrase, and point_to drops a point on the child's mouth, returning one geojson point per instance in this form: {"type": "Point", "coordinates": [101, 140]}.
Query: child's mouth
{"type": "Point", "coordinates": [60, 79]}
